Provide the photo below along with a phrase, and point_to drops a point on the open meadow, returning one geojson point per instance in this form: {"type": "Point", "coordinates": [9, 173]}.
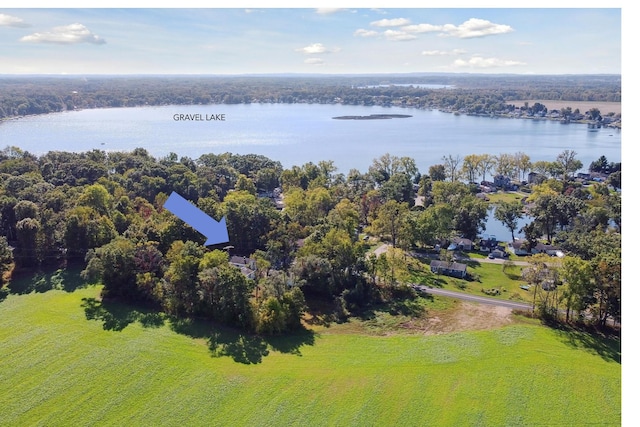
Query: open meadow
{"type": "Point", "coordinates": [70, 359]}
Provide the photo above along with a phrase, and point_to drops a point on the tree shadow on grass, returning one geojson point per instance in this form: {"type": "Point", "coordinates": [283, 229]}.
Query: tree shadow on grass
{"type": "Point", "coordinates": [65, 279]}
{"type": "Point", "coordinates": [116, 316]}
{"type": "Point", "coordinates": [240, 346]}
{"type": "Point", "coordinates": [605, 343]}
{"type": "Point", "coordinates": [399, 305]}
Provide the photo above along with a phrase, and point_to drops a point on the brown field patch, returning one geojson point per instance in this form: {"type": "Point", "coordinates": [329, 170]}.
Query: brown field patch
{"type": "Point", "coordinates": [461, 316]}
{"type": "Point", "coordinates": [604, 107]}
{"type": "Point", "coordinates": [465, 317]}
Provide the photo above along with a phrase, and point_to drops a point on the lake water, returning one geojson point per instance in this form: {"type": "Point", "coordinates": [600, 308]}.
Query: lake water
{"type": "Point", "coordinates": [298, 133]}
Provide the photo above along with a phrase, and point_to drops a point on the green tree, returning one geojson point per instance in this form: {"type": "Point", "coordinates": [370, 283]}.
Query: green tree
{"type": "Point", "coordinates": [615, 180]}
{"type": "Point", "coordinates": [27, 253]}
{"type": "Point", "coordinates": [96, 197]}
{"type": "Point", "coordinates": [6, 258]}
{"type": "Point", "coordinates": [315, 273]}
{"type": "Point", "coordinates": [249, 220]}
{"type": "Point", "coordinates": [437, 172]}
{"type": "Point", "coordinates": [389, 220]}
{"type": "Point", "coordinates": [505, 164]}
{"type": "Point", "coordinates": [345, 216]}
{"type": "Point", "coordinates": [224, 294]}
{"type": "Point", "coordinates": [577, 276]}
{"type": "Point", "coordinates": [451, 166]}
{"type": "Point", "coordinates": [180, 294]}
{"type": "Point", "coordinates": [399, 188]}
{"type": "Point", "coordinates": [435, 224]}
{"type": "Point", "coordinates": [471, 166]}
{"type": "Point", "coordinates": [607, 273]}
{"type": "Point", "coordinates": [508, 213]}
{"type": "Point", "coordinates": [470, 217]}
{"type": "Point", "coordinates": [522, 163]}
{"type": "Point", "coordinates": [486, 164]}
{"type": "Point", "coordinates": [245, 184]}
{"type": "Point", "coordinates": [568, 163]}
{"type": "Point", "coordinates": [114, 264]}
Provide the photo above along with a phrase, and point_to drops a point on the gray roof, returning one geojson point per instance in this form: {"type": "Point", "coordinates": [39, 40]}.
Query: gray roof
{"type": "Point", "coordinates": [454, 266]}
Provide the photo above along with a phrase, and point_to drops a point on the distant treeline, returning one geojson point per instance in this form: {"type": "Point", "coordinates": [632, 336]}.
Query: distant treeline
{"type": "Point", "coordinates": [27, 95]}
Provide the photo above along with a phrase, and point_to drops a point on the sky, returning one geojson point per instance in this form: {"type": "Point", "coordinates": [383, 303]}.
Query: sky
{"type": "Point", "coordinates": [365, 40]}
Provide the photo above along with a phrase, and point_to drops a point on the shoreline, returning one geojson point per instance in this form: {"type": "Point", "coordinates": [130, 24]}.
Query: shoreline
{"type": "Point", "coordinates": [613, 125]}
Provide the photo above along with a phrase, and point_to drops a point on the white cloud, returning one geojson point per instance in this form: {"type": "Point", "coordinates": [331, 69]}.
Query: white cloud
{"type": "Point", "coordinates": [329, 10]}
{"type": "Point", "coordinates": [398, 36]}
{"type": "Point", "coordinates": [68, 34]}
{"type": "Point", "coordinates": [316, 48]}
{"type": "Point", "coordinates": [365, 33]}
{"type": "Point", "coordinates": [443, 52]}
{"type": "Point", "coordinates": [475, 27]}
{"type": "Point", "coordinates": [422, 28]}
{"type": "Point", "coordinates": [479, 62]}
{"type": "Point", "coordinates": [314, 61]}
{"type": "Point", "coordinates": [11, 21]}
{"type": "Point", "coordinates": [397, 22]}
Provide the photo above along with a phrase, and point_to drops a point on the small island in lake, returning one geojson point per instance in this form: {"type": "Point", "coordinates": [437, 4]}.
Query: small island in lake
{"type": "Point", "coordinates": [374, 117]}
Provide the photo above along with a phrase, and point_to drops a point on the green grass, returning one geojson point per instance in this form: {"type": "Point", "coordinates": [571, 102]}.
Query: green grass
{"type": "Point", "coordinates": [502, 196]}
{"type": "Point", "coordinates": [68, 360]}
{"type": "Point", "coordinates": [487, 276]}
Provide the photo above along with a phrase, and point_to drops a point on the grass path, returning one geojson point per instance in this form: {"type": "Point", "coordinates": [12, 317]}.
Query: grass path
{"type": "Point", "coordinates": [125, 367]}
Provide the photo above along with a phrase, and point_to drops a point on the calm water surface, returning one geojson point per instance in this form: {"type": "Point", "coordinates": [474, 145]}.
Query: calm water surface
{"type": "Point", "coordinates": [298, 133]}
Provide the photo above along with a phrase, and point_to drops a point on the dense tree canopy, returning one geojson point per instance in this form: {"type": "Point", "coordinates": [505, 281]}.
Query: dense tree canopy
{"type": "Point", "coordinates": [104, 212]}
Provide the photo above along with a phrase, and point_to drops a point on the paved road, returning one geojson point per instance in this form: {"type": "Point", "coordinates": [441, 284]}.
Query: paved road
{"type": "Point", "coordinates": [474, 298]}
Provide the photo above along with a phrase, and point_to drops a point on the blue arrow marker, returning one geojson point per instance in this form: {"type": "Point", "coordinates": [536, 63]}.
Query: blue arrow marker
{"type": "Point", "coordinates": [214, 231]}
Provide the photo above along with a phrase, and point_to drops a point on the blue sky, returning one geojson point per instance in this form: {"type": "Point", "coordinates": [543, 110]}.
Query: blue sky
{"type": "Point", "coordinates": [308, 40]}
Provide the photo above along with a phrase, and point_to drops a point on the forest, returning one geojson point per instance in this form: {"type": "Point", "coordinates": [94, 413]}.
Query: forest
{"type": "Point", "coordinates": [27, 95]}
{"type": "Point", "coordinates": [305, 231]}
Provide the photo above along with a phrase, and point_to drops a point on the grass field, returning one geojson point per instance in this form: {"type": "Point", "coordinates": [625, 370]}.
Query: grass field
{"type": "Point", "coordinates": [69, 360]}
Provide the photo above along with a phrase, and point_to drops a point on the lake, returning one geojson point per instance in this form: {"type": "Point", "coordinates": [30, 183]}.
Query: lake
{"type": "Point", "coordinates": [298, 133]}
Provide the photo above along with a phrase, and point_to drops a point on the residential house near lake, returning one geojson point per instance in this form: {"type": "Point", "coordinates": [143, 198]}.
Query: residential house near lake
{"type": "Point", "coordinates": [519, 247]}
{"type": "Point", "coordinates": [454, 269]}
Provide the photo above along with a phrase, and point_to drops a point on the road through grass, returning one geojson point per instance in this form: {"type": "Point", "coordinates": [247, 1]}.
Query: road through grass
{"type": "Point", "coordinates": [128, 367]}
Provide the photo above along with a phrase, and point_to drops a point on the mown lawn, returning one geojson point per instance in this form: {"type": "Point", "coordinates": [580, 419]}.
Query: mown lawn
{"type": "Point", "coordinates": [505, 196]}
{"type": "Point", "coordinates": [69, 360]}
{"type": "Point", "coordinates": [484, 276]}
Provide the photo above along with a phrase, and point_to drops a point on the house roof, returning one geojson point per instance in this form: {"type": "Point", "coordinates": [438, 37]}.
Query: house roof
{"type": "Point", "coordinates": [454, 266]}
{"type": "Point", "coordinates": [241, 261]}
{"type": "Point", "coordinates": [462, 241]}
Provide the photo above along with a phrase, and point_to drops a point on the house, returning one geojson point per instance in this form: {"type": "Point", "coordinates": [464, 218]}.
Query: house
{"type": "Point", "coordinates": [547, 249]}
{"type": "Point", "coordinates": [462, 244]}
{"type": "Point", "coordinates": [535, 178]}
{"type": "Point", "coordinates": [499, 253]}
{"type": "Point", "coordinates": [454, 269]}
{"type": "Point", "coordinates": [246, 265]}
{"type": "Point", "coordinates": [585, 176]}
{"type": "Point", "coordinates": [487, 244]}
{"type": "Point", "coordinates": [519, 247]}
